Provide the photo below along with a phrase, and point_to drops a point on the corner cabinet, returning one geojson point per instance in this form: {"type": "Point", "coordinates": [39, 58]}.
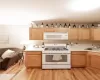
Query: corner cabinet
{"type": "Point", "coordinates": [33, 59]}
{"type": "Point", "coordinates": [79, 33]}
{"type": "Point", "coordinates": [78, 58]}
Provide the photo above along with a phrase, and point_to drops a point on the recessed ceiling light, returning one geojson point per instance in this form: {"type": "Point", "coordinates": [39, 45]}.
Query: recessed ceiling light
{"type": "Point", "coordinates": [84, 5]}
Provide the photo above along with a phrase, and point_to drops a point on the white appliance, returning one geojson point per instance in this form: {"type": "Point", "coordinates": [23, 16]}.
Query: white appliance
{"type": "Point", "coordinates": [55, 36]}
{"type": "Point", "coordinates": [56, 56]}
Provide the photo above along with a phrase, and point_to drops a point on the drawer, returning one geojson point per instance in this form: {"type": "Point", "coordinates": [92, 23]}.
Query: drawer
{"type": "Point", "coordinates": [33, 52]}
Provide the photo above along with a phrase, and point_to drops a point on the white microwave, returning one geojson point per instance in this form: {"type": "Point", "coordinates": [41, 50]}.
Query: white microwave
{"type": "Point", "coordinates": [55, 36]}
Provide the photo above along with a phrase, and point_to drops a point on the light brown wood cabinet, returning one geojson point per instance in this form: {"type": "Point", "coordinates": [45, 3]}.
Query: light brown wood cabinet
{"type": "Point", "coordinates": [33, 59]}
{"type": "Point", "coordinates": [95, 34]}
{"type": "Point", "coordinates": [84, 34]}
{"type": "Point", "coordinates": [79, 33]}
{"type": "Point", "coordinates": [78, 58]}
{"type": "Point", "coordinates": [49, 29]}
{"type": "Point", "coordinates": [36, 33]}
{"type": "Point", "coordinates": [73, 34]}
{"type": "Point", "coordinates": [93, 60]}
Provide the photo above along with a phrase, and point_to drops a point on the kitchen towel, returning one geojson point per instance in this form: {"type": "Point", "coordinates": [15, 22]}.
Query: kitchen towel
{"type": "Point", "coordinates": [6, 76]}
{"type": "Point", "coordinates": [57, 57]}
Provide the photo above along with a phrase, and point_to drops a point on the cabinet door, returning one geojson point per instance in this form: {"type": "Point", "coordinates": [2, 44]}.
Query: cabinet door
{"type": "Point", "coordinates": [78, 59]}
{"type": "Point", "coordinates": [33, 61]}
{"type": "Point", "coordinates": [95, 61]}
{"type": "Point", "coordinates": [73, 34]}
{"type": "Point", "coordinates": [96, 34]}
{"type": "Point", "coordinates": [36, 34]}
{"type": "Point", "coordinates": [84, 34]}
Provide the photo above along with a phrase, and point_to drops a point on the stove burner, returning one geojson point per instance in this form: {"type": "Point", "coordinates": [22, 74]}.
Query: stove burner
{"type": "Point", "coordinates": [46, 48]}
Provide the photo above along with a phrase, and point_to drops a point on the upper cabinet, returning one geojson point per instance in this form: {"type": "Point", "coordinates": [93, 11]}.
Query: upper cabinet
{"type": "Point", "coordinates": [79, 33]}
{"type": "Point", "coordinates": [73, 34]}
{"type": "Point", "coordinates": [84, 34]}
{"type": "Point", "coordinates": [95, 34]}
{"type": "Point", "coordinates": [36, 33]}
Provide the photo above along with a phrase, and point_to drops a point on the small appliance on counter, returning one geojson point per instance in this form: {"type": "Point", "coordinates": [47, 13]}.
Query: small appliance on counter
{"type": "Point", "coordinates": [56, 56]}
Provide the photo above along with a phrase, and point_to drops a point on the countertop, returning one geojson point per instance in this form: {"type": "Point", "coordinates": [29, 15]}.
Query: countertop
{"type": "Point", "coordinates": [71, 49]}
{"type": "Point", "coordinates": [78, 49]}
{"type": "Point", "coordinates": [34, 49]}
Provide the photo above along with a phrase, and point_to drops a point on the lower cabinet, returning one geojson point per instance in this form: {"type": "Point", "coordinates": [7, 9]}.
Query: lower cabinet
{"type": "Point", "coordinates": [32, 59]}
{"type": "Point", "coordinates": [93, 60]}
{"type": "Point", "coordinates": [78, 58]}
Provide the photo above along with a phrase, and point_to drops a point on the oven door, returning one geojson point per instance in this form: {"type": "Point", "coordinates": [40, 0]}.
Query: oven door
{"type": "Point", "coordinates": [56, 58]}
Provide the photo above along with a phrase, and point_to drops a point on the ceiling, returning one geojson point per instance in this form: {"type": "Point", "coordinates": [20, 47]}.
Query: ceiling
{"type": "Point", "coordinates": [24, 11]}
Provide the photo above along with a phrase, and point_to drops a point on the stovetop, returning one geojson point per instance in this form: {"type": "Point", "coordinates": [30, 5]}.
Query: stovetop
{"type": "Point", "coordinates": [56, 49]}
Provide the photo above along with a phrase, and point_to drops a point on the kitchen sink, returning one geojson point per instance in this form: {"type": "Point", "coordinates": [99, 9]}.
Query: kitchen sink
{"type": "Point", "coordinates": [92, 48]}
{"type": "Point", "coordinates": [89, 49]}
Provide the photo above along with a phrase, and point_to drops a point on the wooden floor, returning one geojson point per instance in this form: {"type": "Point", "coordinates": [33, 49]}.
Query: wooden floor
{"type": "Point", "coordinates": [21, 73]}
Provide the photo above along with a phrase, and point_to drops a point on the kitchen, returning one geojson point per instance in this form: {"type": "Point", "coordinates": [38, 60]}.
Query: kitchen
{"type": "Point", "coordinates": [62, 49]}
{"type": "Point", "coordinates": [60, 39]}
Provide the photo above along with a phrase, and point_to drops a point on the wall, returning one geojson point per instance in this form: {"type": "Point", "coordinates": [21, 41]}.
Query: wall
{"type": "Point", "coordinates": [16, 34]}
{"type": "Point", "coordinates": [20, 33]}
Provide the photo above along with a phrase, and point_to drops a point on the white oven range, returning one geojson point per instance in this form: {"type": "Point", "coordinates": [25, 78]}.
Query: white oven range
{"type": "Point", "coordinates": [56, 56]}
